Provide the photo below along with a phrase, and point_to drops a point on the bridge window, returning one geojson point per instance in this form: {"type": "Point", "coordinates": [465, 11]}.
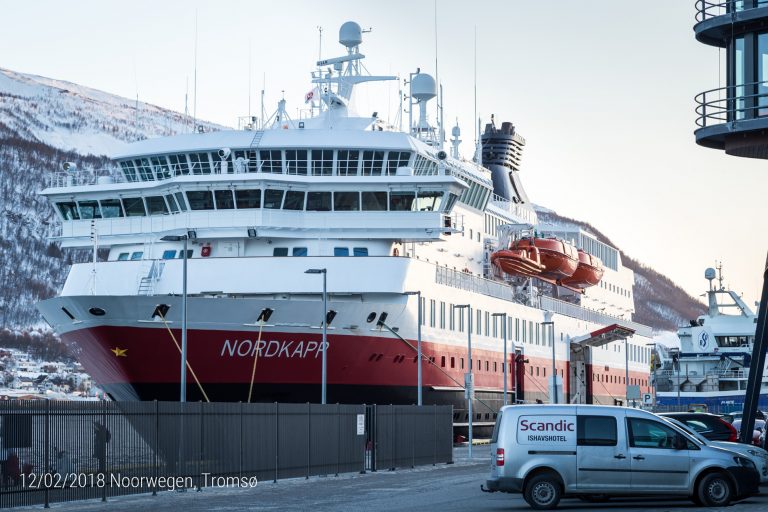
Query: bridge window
{"type": "Point", "coordinates": [401, 201]}
{"type": "Point", "coordinates": [374, 201]}
{"type": "Point", "coordinates": [397, 159]}
{"type": "Point", "coordinates": [294, 200]}
{"type": "Point", "coordinates": [110, 208]}
{"type": "Point", "coordinates": [89, 210]}
{"type": "Point", "coordinates": [200, 200]}
{"type": "Point", "coordinates": [123, 256]}
{"type": "Point", "coordinates": [299, 251]}
{"type": "Point", "coordinates": [296, 161]}
{"type": "Point", "coordinates": [273, 199]}
{"type": "Point", "coordinates": [280, 251]}
{"type": "Point", "coordinates": [347, 162]}
{"type": "Point", "coordinates": [429, 201]}
{"type": "Point", "coordinates": [224, 199]}
{"type": "Point", "coordinates": [179, 164]}
{"type": "Point", "coordinates": [450, 202]}
{"type": "Point", "coordinates": [341, 251]}
{"type": "Point", "coordinates": [134, 207]}
{"type": "Point", "coordinates": [171, 203]}
{"type": "Point", "coordinates": [271, 161]}
{"type": "Point", "coordinates": [189, 253]}
{"type": "Point", "coordinates": [160, 166]}
{"type": "Point", "coordinates": [129, 170]}
{"type": "Point", "coordinates": [360, 251]}
{"type": "Point", "coordinates": [200, 163]}
{"type": "Point", "coordinates": [322, 162]}
{"type": "Point", "coordinates": [156, 205]}
{"type": "Point", "coordinates": [373, 161]}
{"type": "Point", "coordinates": [137, 255]}
{"type": "Point", "coordinates": [170, 254]}
{"type": "Point", "coordinates": [248, 198]}
{"type": "Point", "coordinates": [319, 201]}
{"type": "Point", "coordinates": [346, 201]}
{"type": "Point", "coordinates": [180, 200]}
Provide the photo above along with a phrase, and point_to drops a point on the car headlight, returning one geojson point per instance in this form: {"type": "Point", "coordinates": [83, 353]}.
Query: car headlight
{"type": "Point", "coordinates": [744, 462]}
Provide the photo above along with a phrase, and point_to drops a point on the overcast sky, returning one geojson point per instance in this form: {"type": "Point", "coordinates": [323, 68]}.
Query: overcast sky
{"type": "Point", "coordinates": [602, 91]}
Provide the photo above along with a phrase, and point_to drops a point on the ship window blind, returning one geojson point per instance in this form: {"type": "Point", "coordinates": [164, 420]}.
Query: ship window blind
{"type": "Point", "coordinates": [373, 161]}
{"type": "Point", "coordinates": [374, 201]}
{"type": "Point", "coordinates": [110, 208]}
{"type": "Point", "coordinates": [156, 205]}
{"type": "Point", "coordinates": [246, 198]}
{"type": "Point", "coordinates": [200, 200]}
{"type": "Point", "coordinates": [89, 209]}
{"type": "Point", "coordinates": [179, 164]}
{"type": "Point", "coordinates": [322, 162]}
{"type": "Point", "coordinates": [294, 200]}
{"type": "Point", "coordinates": [319, 201]}
{"type": "Point", "coordinates": [224, 199]}
{"type": "Point", "coordinates": [273, 199]}
{"type": "Point", "coordinates": [347, 162]}
{"type": "Point", "coordinates": [346, 201]}
{"type": "Point", "coordinates": [134, 207]}
{"type": "Point", "coordinates": [68, 210]}
{"type": "Point", "coordinates": [271, 161]}
{"type": "Point", "coordinates": [397, 159]}
{"type": "Point", "coordinates": [296, 161]}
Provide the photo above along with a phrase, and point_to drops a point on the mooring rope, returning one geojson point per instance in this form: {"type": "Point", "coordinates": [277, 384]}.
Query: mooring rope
{"type": "Point", "coordinates": [255, 359]}
{"type": "Point", "coordinates": [189, 366]}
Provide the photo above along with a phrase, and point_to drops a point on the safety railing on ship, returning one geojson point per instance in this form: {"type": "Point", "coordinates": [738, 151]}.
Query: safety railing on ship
{"type": "Point", "coordinates": [706, 10]}
{"type": "Point", "coordinates": [732, 103]}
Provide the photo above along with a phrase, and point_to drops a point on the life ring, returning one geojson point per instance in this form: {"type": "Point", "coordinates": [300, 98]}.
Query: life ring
{"type": "Point", "coordinates": [395, 252]}
{"type": "Point", "coordinates": [205, 251]}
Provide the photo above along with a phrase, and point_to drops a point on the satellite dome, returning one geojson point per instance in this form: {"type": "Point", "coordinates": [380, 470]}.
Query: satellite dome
{"type": "Point", "coordinates": [350, 34]}
{"type": "Point", "coordinates": [423, 87]}
{"type": "Point", "coordinates": [456, 131]}
{"type": "Point", "coordinates": [710, 274]}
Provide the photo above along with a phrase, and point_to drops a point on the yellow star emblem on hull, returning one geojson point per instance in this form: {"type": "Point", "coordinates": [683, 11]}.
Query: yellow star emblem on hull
{"type": "Point", "coordinates": [120, 352]}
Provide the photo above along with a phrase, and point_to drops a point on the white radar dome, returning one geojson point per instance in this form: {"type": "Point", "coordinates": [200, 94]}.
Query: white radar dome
{"type": "Point", "coordinates": [350, 34]}
{"type": "Point", "coordinates": [710, 274]}
{"type": "Point", "coordinates": [423, 87]}
{"type": "Point", "coordinates": [456, 131]}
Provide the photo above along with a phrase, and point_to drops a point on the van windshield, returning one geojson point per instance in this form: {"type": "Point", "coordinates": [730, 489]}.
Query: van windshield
{"type": "Point", "coordinates": [495, 436]}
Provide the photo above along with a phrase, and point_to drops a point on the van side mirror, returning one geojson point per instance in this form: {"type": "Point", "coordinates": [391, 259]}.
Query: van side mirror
{"type": "Point", "coordinates": [680, 443]}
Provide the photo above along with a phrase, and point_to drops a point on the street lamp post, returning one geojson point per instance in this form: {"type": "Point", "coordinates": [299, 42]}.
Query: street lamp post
{"type": "Point", "coordinates": [626, 371]}
{"type": "Point", "coordinates": [184, 238]}
{"type": "Point", "coordinates": [325, 330]}
{"type": "Point", "coordinates": [469, 383]}
{"type": "Point", "coordinates": [503, 317]}
{"type": "Point", "coordinates": [551, 325]}
{"type": "Point", "coordinates": [418, 347]}
{"type": "Point", "coordinates": [653, 371]}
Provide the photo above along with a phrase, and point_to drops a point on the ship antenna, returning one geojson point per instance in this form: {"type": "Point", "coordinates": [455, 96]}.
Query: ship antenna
{"type": "Point", "coordinates": [439, 102]}
{"type": "Point", "coordinates": [194, 86]}
{"type": "Point", "coordinates": [249, 79]}
{"type": "Point", "coordinates": [477, 135]}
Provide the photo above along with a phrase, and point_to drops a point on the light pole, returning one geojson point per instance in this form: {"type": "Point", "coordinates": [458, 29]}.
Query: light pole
{"type": "Point", "coordinates": [184, 238]}
{"type": "Point", "coordinates": [653, 371]}
{"type": "Point", "coordinates": [626, 372]}
{"type": "Point", "coordinates": [551, 325]}
{"type": "Point", "coordinates": [325, 329]}
{"type": "Point", "coordinates": [418, 346]}
{"type": "Point", "coordinates": [469, 384]}
{"type": "Point", "coordinates": [503, 317]}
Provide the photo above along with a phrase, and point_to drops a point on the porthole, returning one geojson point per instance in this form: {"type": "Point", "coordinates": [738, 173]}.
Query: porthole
{"type": "Point", "coordinates": [97, 311]}
{"type": "Point", "coordinates": [371, 317]}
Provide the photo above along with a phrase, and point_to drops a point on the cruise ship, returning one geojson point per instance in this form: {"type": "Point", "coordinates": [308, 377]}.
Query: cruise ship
{"type": "Point", "coordinates": [711, 367]}
{"type": "Point", "coordinates": [398, 224]}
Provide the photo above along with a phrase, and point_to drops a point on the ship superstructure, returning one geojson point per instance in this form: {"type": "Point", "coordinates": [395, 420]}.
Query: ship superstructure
{"type": "Point", "coordinates": [711, 366]}
{"type": "Point", "coordinates": [385, 212]}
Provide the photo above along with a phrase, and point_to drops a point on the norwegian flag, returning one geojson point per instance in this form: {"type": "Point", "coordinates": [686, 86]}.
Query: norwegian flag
{"type": "Point", "coordinates": [310, 96]}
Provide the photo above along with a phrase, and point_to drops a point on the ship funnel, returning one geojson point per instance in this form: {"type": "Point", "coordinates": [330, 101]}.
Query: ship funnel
{"type": "Point", "coordinates": [350, 35]}
{"type": "Point", "coordinates": [423, 89]}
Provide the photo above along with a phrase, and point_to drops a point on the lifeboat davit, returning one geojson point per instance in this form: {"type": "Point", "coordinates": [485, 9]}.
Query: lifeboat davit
{"type": "Point", "coordinates": [560, 258]}
{"type": "Point", "coordinates": [588, 273]}
{"type": "Point", "coordinates": [518, 262]}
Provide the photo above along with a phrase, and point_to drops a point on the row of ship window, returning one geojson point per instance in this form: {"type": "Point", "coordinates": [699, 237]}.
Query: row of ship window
{"type": "Point", "coordinates": [444, 316]}
{"type": "Point", "coordinates": [240, 199]}
{"type": "Point", "coordinates": [303, 162]}
{"type": "Point", "coordinates": [171, 254]}
{"type": "Point", "coordinates": [616, 379]}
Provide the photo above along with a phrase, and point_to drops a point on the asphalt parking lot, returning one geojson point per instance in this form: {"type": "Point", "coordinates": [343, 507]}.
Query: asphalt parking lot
{"type": "Point", "coordinates": [454, 487]}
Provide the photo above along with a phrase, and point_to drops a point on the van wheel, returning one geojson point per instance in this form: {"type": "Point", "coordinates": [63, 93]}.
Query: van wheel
{"type": "Point", "coordinates": [542, 492]}
{"type": "Point", "coordinates": [714, 490]}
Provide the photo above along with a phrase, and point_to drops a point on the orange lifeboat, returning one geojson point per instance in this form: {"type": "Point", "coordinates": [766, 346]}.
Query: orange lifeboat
{"type": "Point", "coordinates": [518, 262]}
{"type": "Point", "coordinates": [588, 273]}
{"type": "Point", "coordinates": [560, 258]}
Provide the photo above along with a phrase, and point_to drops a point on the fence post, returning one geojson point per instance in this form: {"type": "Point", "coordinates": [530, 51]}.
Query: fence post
{"type": "Point", "coordinates": [106, 430]}
{"type": "Point", "coordinates": [47, 444]}
{"type": "Point", "coordinates": [200, 457]}
{"type": "Point", "coordinates": [157, 446]}
{"type": "Point", "coordinates": [309, 438]}
{"type": "Point", "coordinates": [240, 461]}
{"type": "Point", "coordinates": [277, 439]}
{"type": "Point", "coordinates": [434, 433]}
{"type": "Point", "coordinates": [338, 439]}
{"type": "Point", "coordinates": [416, 417]}
{"type": "Point", "coordinates": [374, 436]}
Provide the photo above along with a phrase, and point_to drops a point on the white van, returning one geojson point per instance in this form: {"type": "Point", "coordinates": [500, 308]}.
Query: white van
{"type": "Point", "coordinates": [547, 452]}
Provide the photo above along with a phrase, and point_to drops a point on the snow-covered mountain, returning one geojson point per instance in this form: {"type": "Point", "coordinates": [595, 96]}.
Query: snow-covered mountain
{"type": "Point", "coordinates": [44, 122]}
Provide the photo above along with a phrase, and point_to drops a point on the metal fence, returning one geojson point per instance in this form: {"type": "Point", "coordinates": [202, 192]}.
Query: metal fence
{"type": "Point", "coordinates": [62, 451]}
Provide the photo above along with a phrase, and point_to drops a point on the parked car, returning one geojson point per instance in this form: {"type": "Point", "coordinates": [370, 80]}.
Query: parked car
{"type": "Point", "coordinates": [757, 431]}
{"type": "Point", "coordinates": [758, 455]}
{"type": "Point", "coordinates": [708, 425]}
{"type": "Point", "coordinates": [547, 452]}
{"type": "Point", "coordinates": [730, 417]}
